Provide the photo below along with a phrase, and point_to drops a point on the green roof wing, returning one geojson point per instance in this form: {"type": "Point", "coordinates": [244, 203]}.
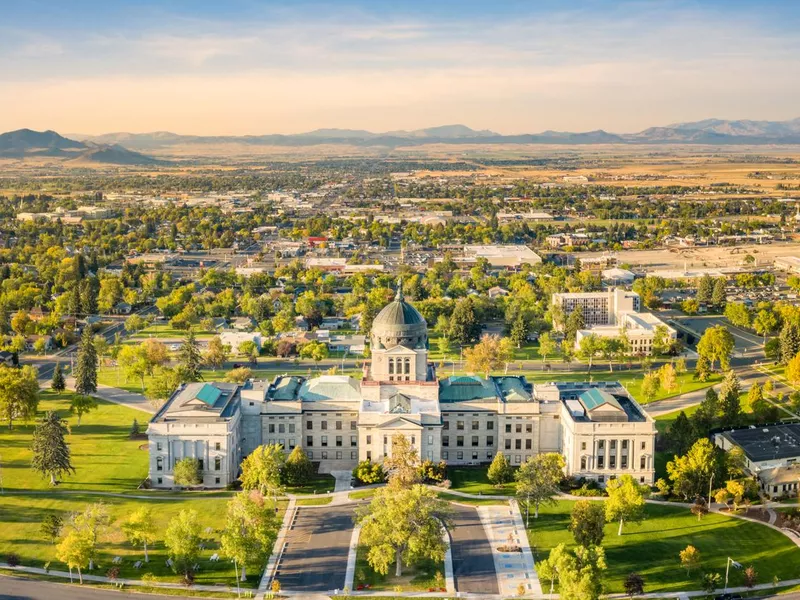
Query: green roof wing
{"type": "Point", "coordinates": [208, 394]}
{"type": "Point", "coordinates": [593, 398]}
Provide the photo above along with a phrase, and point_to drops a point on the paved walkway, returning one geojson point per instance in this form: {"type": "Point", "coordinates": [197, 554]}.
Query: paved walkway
{"type": "Point", "coordinates": [112, 394]}
{"type": "Point", "coordinates": [504, 525]}
{"type": "Point", "coordinates": [472, 555]}
{"type": "Point", "coordinates": [343, 480]}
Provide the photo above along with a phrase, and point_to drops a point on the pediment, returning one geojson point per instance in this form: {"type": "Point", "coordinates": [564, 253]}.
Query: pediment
{"type": "Point", "coordinates": [400, 423]}
{"type": "Point", "coordinates": [400, 350]}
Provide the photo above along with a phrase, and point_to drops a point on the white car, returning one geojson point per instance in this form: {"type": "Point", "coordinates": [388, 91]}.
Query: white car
{"type": "Point", "coordinates": [174, 347]}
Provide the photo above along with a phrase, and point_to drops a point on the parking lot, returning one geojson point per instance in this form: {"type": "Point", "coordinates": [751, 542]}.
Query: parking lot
{"type": "Point", "coordinates": [746, 341]}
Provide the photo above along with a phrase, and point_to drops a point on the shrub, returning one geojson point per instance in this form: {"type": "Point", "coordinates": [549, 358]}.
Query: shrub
{"type": "Point", "coordinates": [113, 573]}
{"type": "Point", "coordinates": [12, 560]}
{"type": "Point", "coordinates": [368, 472]}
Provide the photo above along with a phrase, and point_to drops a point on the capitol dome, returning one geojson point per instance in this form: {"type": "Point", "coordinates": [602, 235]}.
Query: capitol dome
{"type": "Point", "coordinates": [399, 324]}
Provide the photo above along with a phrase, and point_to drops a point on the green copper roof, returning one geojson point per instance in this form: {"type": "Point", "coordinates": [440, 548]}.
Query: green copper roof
{"type": "Point", "coordinates": [513, 389]}
{"type": "Point", "coordinates": [208, 394]}
{"type": "Point", "coordinates": [595, 397]}
{"type": "Point", "coordinates": [286, 388]}
{"type": "Point", "coordinates": [466, 387]}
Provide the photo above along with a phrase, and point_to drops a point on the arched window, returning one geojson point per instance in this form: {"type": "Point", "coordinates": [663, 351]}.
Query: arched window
{"type": "Point", "coordinates": [391, 366]}
{"type": "Point", "coordinates": [159, 464]}
{"type": "Point", "coordinates": [408, 366]}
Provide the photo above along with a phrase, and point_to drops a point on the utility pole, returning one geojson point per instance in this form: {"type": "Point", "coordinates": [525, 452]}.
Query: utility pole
{"type": "Point", "coordinates": [710, 482]}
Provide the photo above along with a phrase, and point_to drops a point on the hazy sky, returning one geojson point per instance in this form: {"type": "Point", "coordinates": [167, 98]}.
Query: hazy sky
{"type": "Point", "coordinates": [244, 66]}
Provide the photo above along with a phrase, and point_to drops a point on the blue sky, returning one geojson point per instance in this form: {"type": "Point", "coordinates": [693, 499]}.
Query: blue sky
{"type": "Point", "coordinates": [241, 66]}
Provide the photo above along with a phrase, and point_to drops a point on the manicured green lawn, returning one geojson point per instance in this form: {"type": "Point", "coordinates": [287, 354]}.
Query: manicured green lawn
{"type": "Point", "coordinates": [320, 501]}
{"type": "Point", "coordinates": [21, 516]}
{"type": "Point", "coordinates": [473, 480]}
{"type": "Point", "coordinates": [362, 494]}
{"type": "Point", "coordinates": [652, 548]}
{"type": "Point", "coordinates": [104, 456]}
{"type": "Point", "coordinates": [319, 484]}
{"type": "Point", "coordinates": [417, 578]}
{"type": "Point", "coordinates": [164, 330]}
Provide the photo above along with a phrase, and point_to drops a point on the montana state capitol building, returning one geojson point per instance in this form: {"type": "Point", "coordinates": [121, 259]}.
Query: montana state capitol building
{"type": "Point", "coordinates": [463, 420]}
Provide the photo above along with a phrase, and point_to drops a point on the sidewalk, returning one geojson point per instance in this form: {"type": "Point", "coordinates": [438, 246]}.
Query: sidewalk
{"type": "Point", "coordinates": [504, 525]}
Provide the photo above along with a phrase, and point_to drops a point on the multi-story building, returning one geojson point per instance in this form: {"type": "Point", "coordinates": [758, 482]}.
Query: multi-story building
{"type": "Point", "coordinates": [340, 420]}
{"type": "Point", "coordinates": [599, 308]}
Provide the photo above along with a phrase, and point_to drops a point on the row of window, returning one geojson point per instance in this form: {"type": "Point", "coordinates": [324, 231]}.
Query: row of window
{"type": "Point", "coordinates": [399, 366]}
{"type": "Point", "coordinates": [324, 455]}
{"type": "Point", "coordinates": [217, 446]}
{"type": "Point", "coordinates": [612, 462]}
{"type": "Point", "coordinates": [339, 441]}
{"type": "Point", "coordinates": [476, 425]}
{"type": "Point", "coordinates": [324, 425]}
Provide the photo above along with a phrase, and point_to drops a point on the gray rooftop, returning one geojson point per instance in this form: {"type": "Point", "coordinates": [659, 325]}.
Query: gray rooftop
{"type": "Point", "coordinates": [769, 442]}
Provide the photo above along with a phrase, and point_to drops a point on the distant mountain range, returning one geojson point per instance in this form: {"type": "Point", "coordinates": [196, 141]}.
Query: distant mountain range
{"type": "Point", "coordinates": [129, 148]}
{"type": "Point", "coordinates": [28, 143]}
{"type": "Point", "coordinates": [709, 131]}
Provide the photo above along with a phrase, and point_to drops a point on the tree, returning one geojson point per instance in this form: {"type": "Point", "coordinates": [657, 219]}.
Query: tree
{"type": "Point", "coordinates": [789, 339]}
{"type": "Point", "coordinates": [190, 359]}
{"type": "Point", "coordinates": [699, 508]}
{"type": "Point", "coordinates": [182, 539]}
{"type": "Point", "coordinates": [140, 529]}
{"type": "Point", "coordinates": [651, 383]}
{"type": "Point", "coordinates": [766, 322]}
{"type": "Point", "coordinates": [793, 369]}
{"type": "Point", "coordinates": [547, 346]}
{"type": "Point", "coordinates": [58, 384]}
{"type": "Point", "coordinates": [705, 289]}
{"type": "Point", "coordinates": [238, 375]}
{"type": "Point", "coordinates": [86, 366]}
{"type": "Point", "coordinates": [575, 322]}
{"type": "Point", "coordinates": [730, 404]}
{"type": "Point", "coordinates": [587, 523]}
{"type": "Point", "coordinates": [156, 354]}
{"type": "Point", "coordinates": [403, 463]}
{"type": "Point", "coordinates": [736, 491]}
{"type": "Point", "coordinates": [133, 360]}
{"type": "Point", "coordinates": [711, 582]}
{"type": "Point", "coordinates": [403, 526]}
{"type": "Point", "coordinates": [76, 551]}
{"type": "Point", "coordinates": [588, 347]}
{"type": "Point", "coordinates": [626, 501]}
{"type": "Point", "coordinates": [261, 470]}
{"type": "Point", "coordinates": [702, 370]}
{"type": "Point", "coordinates": [251, 528]}
{"type": "Point", "coordinates": [51, 455]}
{"type": "Point", "coordinates": [519, 330]}
{"type": "Point", "coordinates": [91, 523]}
{"type": "Point", "coordinates": [51, 527]}
{"type": "Point", "coordinates": [19, 393]}
{"type": "Point", "coordinates": [369, 472]}
{"type": "Point", "coordinates": [134, 323]}
{"type": "Point", "coordinates": [690, 558]}
{"type": "Point", "coordinates": [500, 471]}
{"type": "Point", "coordinates": [80, 405]}
{"type": "Point", "coordinates": [538, 478]}
{"type": "Point", "coordinates": [162, 386]}
{"type": "Point", "coordinates": [187, 472]}
{"type": "Point", "coordinates": [634, 584]}
{"type": "Point", "coordinates": [216, 354]}
{"type": "Point", "coordinates": [681, 434]}
{"type": "Point", "coordinates": [464, 326]}
{"type": "Point", "coordinates": [579, 572]}
{"type": "Point", "coordinates": [668, 378]}
{"type": "Point", "coordinates": [691, 473]}
{"type": "Point", "coordinates": [717, 344]}
{"type": "Point", "coordinates": [750, 576]}
{"type": "Point", "coordinates": [718, 295]}
{"type": "Point", "coordinates": [690, 306]}
{"type": "Point", "coordinates": [298, 468]}
{"type": "Point", "coordinates": [485, 356]}
{"type": "Point", "coordinates": [314, 350]}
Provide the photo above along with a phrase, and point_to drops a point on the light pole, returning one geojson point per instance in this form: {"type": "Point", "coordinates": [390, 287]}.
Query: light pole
{"type": "Point", "coordinates": [710, 481]}
{"type": "Point", "coordinates": [728, 564]}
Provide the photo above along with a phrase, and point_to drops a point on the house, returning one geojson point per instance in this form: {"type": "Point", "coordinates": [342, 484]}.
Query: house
{"type": "Point", "coordinates": [352, 344]}
{"type": "Point", "coordinates": [243, 323]}
{"type": "Point", "coordinates": [31, 340]}
{"type": "Point", "coordinates": [301, 323]}
{"type": "Point", "coordinates": [122, 308]}
{"type": "Point", "coordinates": [497, 291]}
{"type": "Point", "coordinates": [37, 314]}
{"type": "Point", "coordinates": [7, 358]}
{"type": "Point", "coordinates": [235, 338]}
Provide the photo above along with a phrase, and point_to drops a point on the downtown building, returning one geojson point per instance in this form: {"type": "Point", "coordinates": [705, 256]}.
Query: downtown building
{"type": "Point", "coordinates": [462, 420]}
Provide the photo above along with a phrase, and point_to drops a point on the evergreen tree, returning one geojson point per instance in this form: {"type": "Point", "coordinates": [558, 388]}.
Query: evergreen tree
{"type": "Point", "coordinates": [5, 323]}
{"type": "Point", "coordinates": [705, 289]}
{"type": "Point", "coordinates": [135, 429]}
{"type": "Point", "coordinates": [58, 384]}
{"type": "Point", "coordinates": [718, 295]}
{"type": "Point", "coordinates": [190, 358]}
{"type": "Point", "coordinates": [704, 418]}
{"type": "Point", "coordinates": [702, 370]}
{"type": "Point", "coordinates": [681, 434]}
{"type": "Point", "coordinates": [519, 330]}
{"type": "Point", "coordinates": [730, 405]}
{"type": "Point", "coordinates": [86, 367]}
{"type": "Point", "coordinates": [51, 456]}
{"type": "Point", "coordinates": [789, 341]}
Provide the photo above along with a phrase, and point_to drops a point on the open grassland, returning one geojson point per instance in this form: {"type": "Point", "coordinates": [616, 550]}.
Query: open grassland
{"type": "Point", "coordinates": [103, 454]}
{"type": "Point", "coordinates": [652, 548]}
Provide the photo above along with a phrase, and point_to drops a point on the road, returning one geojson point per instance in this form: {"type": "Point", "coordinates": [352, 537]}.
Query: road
{"type": "Point", "coordinates": [17, 588]}
{"type": "Point", "coordinates": [473, 563]}
{"type": "Point", "coordinates": [315, 558]}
